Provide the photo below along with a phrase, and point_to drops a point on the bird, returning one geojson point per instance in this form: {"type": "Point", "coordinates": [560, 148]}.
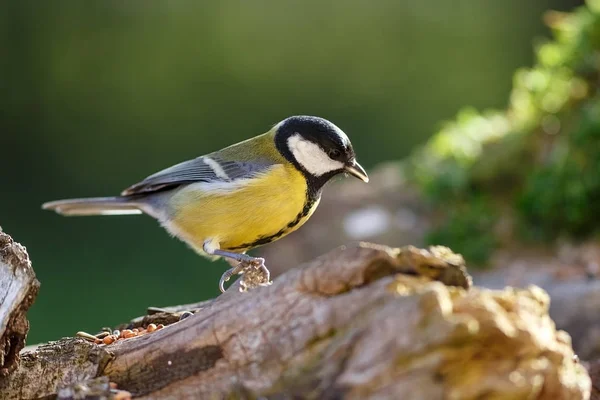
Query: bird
{"type": "Point", "coordinates": [249, 194]}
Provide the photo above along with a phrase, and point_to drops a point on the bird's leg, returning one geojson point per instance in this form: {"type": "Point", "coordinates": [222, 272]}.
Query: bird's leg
{"type": "Point", "coordinates": [254, 269]}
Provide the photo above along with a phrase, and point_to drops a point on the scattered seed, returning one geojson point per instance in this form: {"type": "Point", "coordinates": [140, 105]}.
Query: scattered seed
{"type": "Point", "coordinates": [116, 333]}
{"type": "Point", "coordinates": [151, 328]}
{"type": "Point", "coordinates": [184, 315]}
{"type": "Point", "coordinates": [102, 335]}
{"type": "Point", "coordinates": [122, 395]}
{"type": "Point", "coordinates": [98, 341]}
{"type": "Point", "coordinates": [160, 326]}
{"type": "Point", "coordinates": [155, 310]}
{"type": "Point", "coordinates": [127, 333]}
{"type": "Point", "coordinates": [109, 339]}
{"type": "Point", "coordinates": [86, 336]}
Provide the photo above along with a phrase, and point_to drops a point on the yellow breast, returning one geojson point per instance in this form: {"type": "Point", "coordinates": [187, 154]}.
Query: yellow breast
{"type": "Point", "coordinates": [255, 212]}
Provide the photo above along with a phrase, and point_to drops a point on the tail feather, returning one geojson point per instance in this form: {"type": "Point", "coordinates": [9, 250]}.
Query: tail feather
{"type": "Point", "coordinates": [94, 206]}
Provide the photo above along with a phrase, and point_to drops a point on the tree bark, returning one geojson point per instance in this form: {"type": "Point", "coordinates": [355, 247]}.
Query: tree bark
{"type": "Point", "coordinates": [390, 211]}
{"type": "Point", "coordinates": [18, 289]}
{"type": "Point", "coordinates": [357, 323]}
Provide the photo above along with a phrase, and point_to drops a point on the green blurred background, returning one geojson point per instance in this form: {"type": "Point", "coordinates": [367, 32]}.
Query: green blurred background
{"type": "Point", "coordinates": [94, 96]}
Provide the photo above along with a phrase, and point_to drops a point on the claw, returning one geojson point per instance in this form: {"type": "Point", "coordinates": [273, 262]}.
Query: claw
{"type": "Point", "coordinates": [224, 278]}
{"type": "Point", "coordinates": [228, 274]}
{"type": "Point", "coordinates": [246, 266]}
{"type": "Point", "coordinates": [260, 263]}
{"type": "Point", "coordinates": [266, 272]}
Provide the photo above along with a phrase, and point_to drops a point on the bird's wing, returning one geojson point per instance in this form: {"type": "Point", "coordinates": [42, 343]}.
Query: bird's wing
{"type": "Point", "coordinates": [208, 168]}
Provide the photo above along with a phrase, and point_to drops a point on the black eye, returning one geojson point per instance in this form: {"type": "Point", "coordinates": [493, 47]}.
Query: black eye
{"type": "Point", "coordinates": [334, 154]}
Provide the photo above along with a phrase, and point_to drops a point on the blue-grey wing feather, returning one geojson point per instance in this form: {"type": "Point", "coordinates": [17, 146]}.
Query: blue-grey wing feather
{"type": "Point", "coordinates": [197, 170]}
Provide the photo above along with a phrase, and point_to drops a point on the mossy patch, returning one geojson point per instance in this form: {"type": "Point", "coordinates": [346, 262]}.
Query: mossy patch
{"type": "Point", "coordinates": [538, 158]}
{"type": "Point", "coordinates": [467, 229]}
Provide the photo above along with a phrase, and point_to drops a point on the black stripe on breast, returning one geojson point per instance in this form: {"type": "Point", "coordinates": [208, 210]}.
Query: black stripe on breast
{"type": "Point", "coordinates": [311, 198]}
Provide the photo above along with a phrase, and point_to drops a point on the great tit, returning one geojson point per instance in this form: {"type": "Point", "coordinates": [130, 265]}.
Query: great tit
{"type": "Point", "coordinates": [246, 195]}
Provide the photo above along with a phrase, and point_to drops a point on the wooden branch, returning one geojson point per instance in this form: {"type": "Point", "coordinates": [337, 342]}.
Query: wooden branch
{"type": "Point", "coordinates": [361, 322]}
{"type": "Point", "coordinates": [390, 211]}
{"type": "Point", "coordinates": [18, 289]}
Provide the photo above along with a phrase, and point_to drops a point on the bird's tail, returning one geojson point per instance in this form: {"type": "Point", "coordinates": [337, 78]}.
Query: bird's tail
{"type": "Point", "coordinates": [95, 206]}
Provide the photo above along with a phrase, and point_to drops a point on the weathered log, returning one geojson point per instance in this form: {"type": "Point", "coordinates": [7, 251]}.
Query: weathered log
{"type": "Point", "coordinates": [390, 211]}
{"type": "Point", "coordinates": [594, 369]}
{"type": "Point", "coordinates": [18, 289]}
{"type": "Point", "coordinates": [568, 279]}
{"type": "Point", "coordinates": [361, 322]}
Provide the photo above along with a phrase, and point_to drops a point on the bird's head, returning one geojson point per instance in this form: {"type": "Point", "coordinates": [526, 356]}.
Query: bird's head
{"type": "Point", "coordinates": [318, 148]}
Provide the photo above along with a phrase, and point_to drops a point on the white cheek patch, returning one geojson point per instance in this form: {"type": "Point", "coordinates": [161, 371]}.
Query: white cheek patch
{"type": "Point", "coordinates": [311, 157]}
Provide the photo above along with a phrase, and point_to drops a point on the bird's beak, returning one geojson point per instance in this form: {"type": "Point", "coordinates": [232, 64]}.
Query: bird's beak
{"type": "Point", "coordinates": [354, 169]}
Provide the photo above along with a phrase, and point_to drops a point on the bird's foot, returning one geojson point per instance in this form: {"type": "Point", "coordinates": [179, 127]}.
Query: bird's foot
{"type": "Point", "coordinates": [228, 274]}
{"type": "Point", "coordinates": [254, 272]}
